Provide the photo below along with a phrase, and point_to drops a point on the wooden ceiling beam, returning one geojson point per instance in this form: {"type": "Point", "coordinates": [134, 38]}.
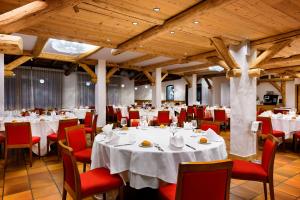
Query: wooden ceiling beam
{"type": "Point", "coordinates": [187, 81]}
{"type": "Point", "coordinates": [276, 80]}
{"type": "Point", "coordinates": [9, 73]}
{"type": "Point", "coordinates": [90, 72]}
{"type": "Point", "coordinates": [148, 75]}
{"type": "Point", "coordinates": [208, 83]}
{"type": "Point", "coordinates": [283, 69]}
{"type": "Point", "coordinates": [16, 63]}
{"type": "Point", "coordinates": [30, 14]}
{"type": "Point", "coordinates": [216, 60]}
{"type": "Point", "coordinates": [269, 53]}
{"type": "Point", "coordinates": [88, 53]}
{"type": "Point", "coordinates": [138, 59]}
{"type": "Point", "coordinates": [164, 76]}
{"type": "Point", "coordinates": [275, 85]}
{"type": "Point", "coordinates": [178, 20]}
{"type": "Point", "coordinates": [111, 72]}
{"type": "Point", "coordinates": [166, 63]}
{"type": "Point", "coordinates": [224, 52]}
{"type": "Point", "coordinates": [189, 69]}
{"type": "Point", "coordinates": [280, 61]}
{"type": "Point", "coordinates": [10, 44]}
{"type": "Point", "coordinates": [39, 46]}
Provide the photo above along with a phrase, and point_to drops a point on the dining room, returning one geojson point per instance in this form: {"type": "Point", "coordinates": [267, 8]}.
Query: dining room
{"type": "Point", "coordinates": [149, 99]}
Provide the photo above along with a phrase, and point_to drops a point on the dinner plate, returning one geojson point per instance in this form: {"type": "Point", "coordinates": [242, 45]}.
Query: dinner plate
{"type": "Point", "coordinates": [140, 145]}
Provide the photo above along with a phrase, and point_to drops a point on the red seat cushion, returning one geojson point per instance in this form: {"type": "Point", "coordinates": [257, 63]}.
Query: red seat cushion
{"type": "Point", "coordinates": [83, 155]}
{"type": "Point", "coordinates": [297, 134]}
{"type": "Point", "coordinates": [208, 118]}
{"type": "Point", "coordinates": [278, 133]}
{"type": "Point", "coordinates": [88, 129]}
{"type": "Point", "coordinates": [168, 192]}
{"type": "Point", "coordinates": [2, 138]}
{"type": "Point", "coordinates": [35, 139]}
{"type": "Point", "coordinates": [98, 181]}
{"type": "Point", "coordinates": [52, 137]}
{"type": "Point", "coordinates": [248, 171]}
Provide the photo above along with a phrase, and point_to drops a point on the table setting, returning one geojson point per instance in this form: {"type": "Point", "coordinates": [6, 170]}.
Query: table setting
{"type": "Point", "coordinates": [152, 154]}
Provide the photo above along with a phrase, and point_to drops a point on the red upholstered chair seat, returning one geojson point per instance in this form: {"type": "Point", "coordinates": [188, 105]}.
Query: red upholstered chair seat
{"type": "Point", "coordinates": [83, 155]}
{"type": "Point", "coordinates": [88, 129]}
{"type": "Point", "coordinates": [208, 118]}
{"type": "Point", "coordinates": [97, 181]}
{"type": "Point", "coordinates": [52, 137]}
{"type": "Point", "coordinates": [297, 135]}
{"type": "Point", "coordinates": [278, 133]}
{"type": "Point", "coordinates": [35, 139]}
{"type": "Point", "coordinates": [248, 171]}
{"type": "Point", "coordinates": [168, 192]}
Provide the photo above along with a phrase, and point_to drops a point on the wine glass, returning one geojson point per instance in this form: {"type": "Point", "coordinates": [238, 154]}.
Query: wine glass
{"type": "Point", "coordinates": [194, 124]}
{"type": "Point", "coordinates": [123, 121]}
{"type": "Point", "coordinates": [173, 127]}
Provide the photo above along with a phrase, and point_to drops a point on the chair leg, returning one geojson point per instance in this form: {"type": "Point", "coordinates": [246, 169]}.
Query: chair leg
{"type": "Point", "coordinates": [265, 190]}
{"type": "Point", "coordinates": [5, 157]}
{"type": "Point", "coordinates": [64, 194]}
{"type": "Point", "coordinates": [48, 146]}
{"type": "Point", "coordinates": [271, 187]}
{"type": "Point", "coordinates": [84, 167]}
{"type": "Point", "coordinates": [104, 196]}
{"type": "Point", "coordinates": [39, 147]}
{"type": "Point", "coordinates": [283, 143]}
{"type": "Point", "coordinates": [30, 156]}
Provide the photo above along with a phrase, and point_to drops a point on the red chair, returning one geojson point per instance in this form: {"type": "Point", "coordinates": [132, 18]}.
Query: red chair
{"type": "Point", "coordinates": [296, 139]}
{"type": "Point", "coordinates": [201, 114]}
{"type": "Point", "coordinates": [110, 113]}
{"type": "Point", "coordinates": [267, 129]}
{"type": "Point", "coordinates": [181, 117]}
{"type": "Point", "coordinates": [18, 135]}
{"type": "Point", "coordinates": [134, 114]}
{"type": "Point", "coordinates": [92, 130]}
{"type": "Point", "coordinates": [83, 185]}
{"type": "Point", "coordinates": [119, 115]}
{"type": "Point", "coordinates": [200, 180]}
{"type": "Point", "coordinates": [88, 119]}
{"type": "Point", "coordinates": [2, 142]}
{"type": "Point", "coordinates": [190, 112]}
{"type": "Point", "coordinates": [220, 116]}
{"type": "Point", "coordinates": [134, 122]}
{"type": "Point", "coordinates": [263, 172]}
{"type": "Point", "coordinates": [61, 134]}
{"type": "Point", "coordinates": [205, 125]}
{"type": "Point", "coordinates": [163, 117]}
{"type": "Point", "coordinates": [76, 140]}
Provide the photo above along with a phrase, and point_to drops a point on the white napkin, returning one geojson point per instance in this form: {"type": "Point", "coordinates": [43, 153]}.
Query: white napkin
{"type": "Point", "coordinates": [113, 139]}
{"type": "Point", "coordinates": [187, 125]}
{"type": "Point", "coordinates": [107, 128]}
{"type": "Point", "coordinates": [177, 141]}
{"type": "Point", "coordinates": [53, 113]}
{"type": "Point", "coordinates": [212, 136]}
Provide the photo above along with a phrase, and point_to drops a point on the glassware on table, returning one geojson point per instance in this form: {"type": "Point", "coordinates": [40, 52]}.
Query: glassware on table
{"type": "Point", "coordinates": [173, 128]}
{"type": "Point", "coordinates": [123, 122]}
{"type": "Point", "coordinates": [194, 124]}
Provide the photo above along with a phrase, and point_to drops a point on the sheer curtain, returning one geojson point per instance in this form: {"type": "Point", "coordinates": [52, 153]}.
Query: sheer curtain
{"type": "Point", "coordinates": [86, 90]}
{"type": "Point", "coordinates": [26, 91]}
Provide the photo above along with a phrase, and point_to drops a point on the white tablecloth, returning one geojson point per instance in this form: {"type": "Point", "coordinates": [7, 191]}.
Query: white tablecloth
{"type": "Point", "coordinates": [42, 127]}
{"type": "Point", "coordinates": [146, 166]}
{"type": "Point", "coordinates": [286, 125]}
{"type": "Point", "coordinates": [209, 112]}
{"type": "Point", "coordinates": [80, 112]}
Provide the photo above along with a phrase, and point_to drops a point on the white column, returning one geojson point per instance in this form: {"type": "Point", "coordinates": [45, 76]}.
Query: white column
{"type": "Point", "coordinates": [193, 90]}
{"type": "Point", "coordinates": [100, 92]}
{"type": "Point", "coordinates": [1, 82]}
{"type": "Point", "coordinates": [156, 89]}
{"type": "Point", "coordinates": [243, 105]}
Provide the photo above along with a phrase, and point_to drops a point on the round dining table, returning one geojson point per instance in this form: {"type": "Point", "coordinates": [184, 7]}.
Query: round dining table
{"type": "Point", "coordinates": [147, 166]}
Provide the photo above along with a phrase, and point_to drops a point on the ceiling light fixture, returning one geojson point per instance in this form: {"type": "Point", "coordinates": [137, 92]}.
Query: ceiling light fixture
{"type": "Point", "coordinates": [216, 68]}
{"type": "Point", "coordinates": [122, 86]}
{"type": "Point", "coordinates": [135, 88]}
{"type": "Point", "coordinates": [69, 47]}
{"type": "Point", "coordinates": [135, 23]}
{"type": "Point", "coordinates": [108, 40]}
{"type": "Point", "coordinates": [42, 81]}
{"type": "Point", "coordinates": [156, 9]}
{"type": "Point", "coordinates": [146, 86]}
{"type": "Point", "coordinates": [196, 22]}
{"type": "Point", "coordinates": [88, 83]}
{"type": "Point", "coordinates": [172, 32]}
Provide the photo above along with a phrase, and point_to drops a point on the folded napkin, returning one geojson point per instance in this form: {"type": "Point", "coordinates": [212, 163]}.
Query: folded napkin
{"type": "Point", "coordinates": [212, 136]}
{"type": "Point", "coordinates": [113, 138]}
{"type": "Point", "coordinates": [177, 141]}
{"type": "Point", "coordinates": [107, 128]}
{"type": "Point", "coordinates": [187, 125]}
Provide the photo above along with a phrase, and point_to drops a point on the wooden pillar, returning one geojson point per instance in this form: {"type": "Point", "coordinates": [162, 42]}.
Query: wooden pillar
{"type": "Point", "coordinates": [100, 92]}
{"type": "Point", "coordinates": [243, 104]}
{"type": "Point", "coordinates": [283, 92]}
{"type": "Point", "coordinates": [1, 83]}
{"type": "Point", "coordinates": [156, 89]}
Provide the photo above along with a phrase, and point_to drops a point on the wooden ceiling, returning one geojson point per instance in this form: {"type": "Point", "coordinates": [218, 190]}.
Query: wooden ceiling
{"type": "Point", "coordinates": [182, 30]}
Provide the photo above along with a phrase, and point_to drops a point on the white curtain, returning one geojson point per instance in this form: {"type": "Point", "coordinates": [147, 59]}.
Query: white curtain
{"type": "Point", "coordinates": [26, 91]}
{"type": "Point", "coordinates": [86, 90]}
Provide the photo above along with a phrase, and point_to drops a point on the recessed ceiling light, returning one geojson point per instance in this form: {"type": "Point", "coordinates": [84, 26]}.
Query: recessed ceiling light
{"type": "Point", "coordinates": [172, 32]}
{"type": "Point", "coordinates": [122, 85]}
{"type": "Point", "coordinates": [146, 86]}
{"type": "Point", "coordinates": [135, 23]}
{"type": "Point", "coordinates": [156, 9]}
{"type": "Point", "coordinates": [108, 40]}
{"type": "Point", "coordinates": [196, 22]}
{"type": "Point", "coordinates": [135, 88]}
{"type": "Point", "coordinates": [88, 83]}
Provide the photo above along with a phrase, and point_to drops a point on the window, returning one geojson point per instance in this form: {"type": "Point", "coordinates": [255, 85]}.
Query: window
{"type": "Point", "coordinates": [170, 93]}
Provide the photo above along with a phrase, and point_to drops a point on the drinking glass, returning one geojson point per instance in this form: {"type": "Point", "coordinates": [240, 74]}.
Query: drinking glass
{"type": "Point", "coordinates": [123, 122]}
{"type": "Point", "coordinates": [194, 124]}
